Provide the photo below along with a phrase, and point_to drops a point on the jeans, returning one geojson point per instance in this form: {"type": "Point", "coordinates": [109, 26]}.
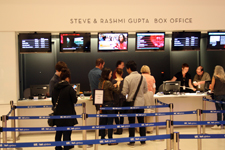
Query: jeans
{"type": "Point", "coordinates": [220, 106]}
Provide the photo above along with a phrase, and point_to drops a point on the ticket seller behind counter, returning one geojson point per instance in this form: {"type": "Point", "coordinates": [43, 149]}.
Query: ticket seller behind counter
{"type": "Point", "coordinates": [181, 102]}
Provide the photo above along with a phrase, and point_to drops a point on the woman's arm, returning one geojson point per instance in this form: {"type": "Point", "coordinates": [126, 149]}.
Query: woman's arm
{"type": "Point", "coordinates": [212, 84]}
{"type": "Point", "coordinates": [173, 79]}
{"type": "Point", "coordinates": [73, 95]}
{"type": "Point", "coordinates": [190, 85]}
{"type": "Point", "coordinates": [111, 87]}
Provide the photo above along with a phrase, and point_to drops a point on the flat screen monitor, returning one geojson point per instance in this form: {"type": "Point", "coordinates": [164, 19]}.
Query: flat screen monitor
{"type": "Point", "coordinates": [75, 42]}
{"type": "Point", "coordinates": [34, 42]}
{"type": "Point", "coordinates": [186, 41]}
{"type": "Point", "coordinates": [150, 41]}
{"type": "Point", "coordinates": [39, 90]}
{"type": "Point", "coordinates": [216, 40]}
{"type": "Point", "coordinates": [171, 86]}
{"type": "Point", "coordinates": [112, 42]}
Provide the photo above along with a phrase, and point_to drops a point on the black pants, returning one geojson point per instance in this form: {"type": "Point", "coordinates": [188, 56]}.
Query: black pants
{"type": "Point", "coordinates": [140, 120]}
{"type": "Point", "coordinates": [66, 137]}
{"type": "Point", "coordinates": [119, 120]}
{"type": "Point", "coordinates": [106, 121]}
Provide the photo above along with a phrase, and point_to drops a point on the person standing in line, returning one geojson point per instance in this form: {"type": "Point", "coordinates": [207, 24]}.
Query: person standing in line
{"type": "Point", "coordinates": [200, 78]}
{"type": "Point", "coordinates": [130, 86]}
{"type": "Point", "coordinates": [119, 98]}
{"type": "Point", "coordinates": [56, 77]}
{"type": "Point", "coordinates": [119, 64]}
{"type": "Point", "coordinates": [108, 100]}
{"type": "Point", "coordinates": [95, 74]}
{"type": "Point", "coordinates": [218, 87]}
{"type": "Point", "coordinates": [63, 98]}
{"type": "Point", "coordinates": [149, 96]}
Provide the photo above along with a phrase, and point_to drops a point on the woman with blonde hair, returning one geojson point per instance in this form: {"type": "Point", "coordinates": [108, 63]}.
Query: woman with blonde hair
{"type": "Point", "coordinates": [218, 87]}
{"type": "Point", "coordinates": [149, 100]}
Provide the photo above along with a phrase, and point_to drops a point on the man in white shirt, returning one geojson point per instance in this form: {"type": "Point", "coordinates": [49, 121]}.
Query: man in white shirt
{"type": "Point", "coordinates": [130, 87]}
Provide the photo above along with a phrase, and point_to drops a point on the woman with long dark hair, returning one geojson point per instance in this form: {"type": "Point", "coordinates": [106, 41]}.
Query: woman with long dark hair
{"type": "Point", "coordinates": [64, 97]}
{"type": "Point", "coordinates": [119, 98]}
{"type": "Point", "coordinates": [108, 100]}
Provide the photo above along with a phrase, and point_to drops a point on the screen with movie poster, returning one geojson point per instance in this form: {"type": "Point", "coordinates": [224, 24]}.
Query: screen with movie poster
{"type": "Point", "coordinates": [74, 42]}
{"type": "Point", "coordinates": [112, 41]}
{"type": "Point", "coordinates": [150, 41]}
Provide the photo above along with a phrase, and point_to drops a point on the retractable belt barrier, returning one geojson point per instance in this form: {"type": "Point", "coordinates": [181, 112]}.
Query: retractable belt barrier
{"type": "Point", "coordinates": [46, 117]}
{"type": "Point", "coordinates": [162, 103]}
{"type": "Point", "coordinates": [103, 115]}
{"type": "Point", "coordinates": [214, 101]}
{"type": "Point", "coordinates": [135, 107]}
{"type": "Point", "coordinates": [84, 127]}
{"type": "Point", "coordinates": [201, 136]}
{"type": "Point", "coordinates": [197, 122]}
{"type": "Point", "coordinates": [86, 142]}
{"type": "Point", "coordinates": [9, 112]}
{"type": "Point", "coordinates": [41, 106]}
{"type": "Point", "coordinates": [213, 111]}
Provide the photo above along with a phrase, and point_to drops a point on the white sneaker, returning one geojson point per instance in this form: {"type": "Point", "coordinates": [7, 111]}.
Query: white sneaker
{"type": "Point", "coordinates": [215, 127]}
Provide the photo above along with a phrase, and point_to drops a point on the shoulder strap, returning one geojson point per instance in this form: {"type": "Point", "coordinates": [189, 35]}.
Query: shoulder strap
{"type": "Point", "coordinates": [103, 84]}
{"type": "Point", "coordinates": [135, 95]}
{"type": "Point", "coordinates": [57, 102]}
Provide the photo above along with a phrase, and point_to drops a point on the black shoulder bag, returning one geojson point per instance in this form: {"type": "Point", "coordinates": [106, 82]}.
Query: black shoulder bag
{"type": "Point", "coordinates": [51, 122]}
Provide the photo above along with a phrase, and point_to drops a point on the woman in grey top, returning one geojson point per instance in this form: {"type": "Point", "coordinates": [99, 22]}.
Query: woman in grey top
{"type": "Point", "coordinates": [218, 87]}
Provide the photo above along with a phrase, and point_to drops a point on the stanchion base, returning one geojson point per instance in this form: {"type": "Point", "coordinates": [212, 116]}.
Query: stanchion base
{"type": "Point", "coordinates": [88, 146]}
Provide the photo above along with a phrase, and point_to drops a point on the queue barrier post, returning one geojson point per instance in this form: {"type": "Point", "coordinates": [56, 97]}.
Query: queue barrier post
{"type": "Point", "coordinates": [168, 131]}
{"type": "Point", "coordinates": [176, 140]}
{"type": "Point", "coordinates": [171, 116]}
{"type": "Point", "coordinates": [13, 122]}
{"type": "Point", "coordinates": [4, 134]}
{"type": "Point", "coordinates": [96, 130]}
{"type": "Point", "coordinates": [84, 117]}
{"type": "Point", "coordinates": [204, 115]}
{"type": "Point", "coordinates": [199, 129]}
{"type": "Point", "coordinates": [156, 117]}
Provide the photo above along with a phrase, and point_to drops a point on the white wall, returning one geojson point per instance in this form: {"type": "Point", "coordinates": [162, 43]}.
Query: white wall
{"type": "Point", "coordinates": [55, 15]}
{"type": "Point", "coordinates": [9, 76]}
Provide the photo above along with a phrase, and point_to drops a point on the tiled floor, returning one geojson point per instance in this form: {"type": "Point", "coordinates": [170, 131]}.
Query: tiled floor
{"type": "Point", "coordinates": [185, 144]}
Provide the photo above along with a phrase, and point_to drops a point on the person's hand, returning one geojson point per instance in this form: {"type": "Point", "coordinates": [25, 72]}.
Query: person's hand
{"type": "Point", "coordinates": [210, 86]}
{"type": "Point", "coordinates": [195, 83]}
{"type": "Point", "coordinates": [194, 89]}
{"type": "Point", "coordinates": [115, 85]}
{"type": "Point", "coordinates": [91, 97]}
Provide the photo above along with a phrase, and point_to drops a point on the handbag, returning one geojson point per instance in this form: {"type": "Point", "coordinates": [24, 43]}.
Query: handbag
{"type": "Point", "coordinates": [51, 122]}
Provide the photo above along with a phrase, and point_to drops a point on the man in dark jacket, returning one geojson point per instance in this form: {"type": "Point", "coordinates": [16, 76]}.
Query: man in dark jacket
{"type": "Point", "coordinates": [65, 96]}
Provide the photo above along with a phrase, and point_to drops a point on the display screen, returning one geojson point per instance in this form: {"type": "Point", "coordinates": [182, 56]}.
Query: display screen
{"type": "Point", "coordinates": [216, 40]}
{"type": "Point", "coordinates": [74, 42]}
{"type": "Point", "coordinates": [34, 42]}
{"type": "Point", "coordinates": [150, 41]}
{"type": "Point", "coordinates": [112, 41]}
{"type": "Point", "coordinates": [186, 40]}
